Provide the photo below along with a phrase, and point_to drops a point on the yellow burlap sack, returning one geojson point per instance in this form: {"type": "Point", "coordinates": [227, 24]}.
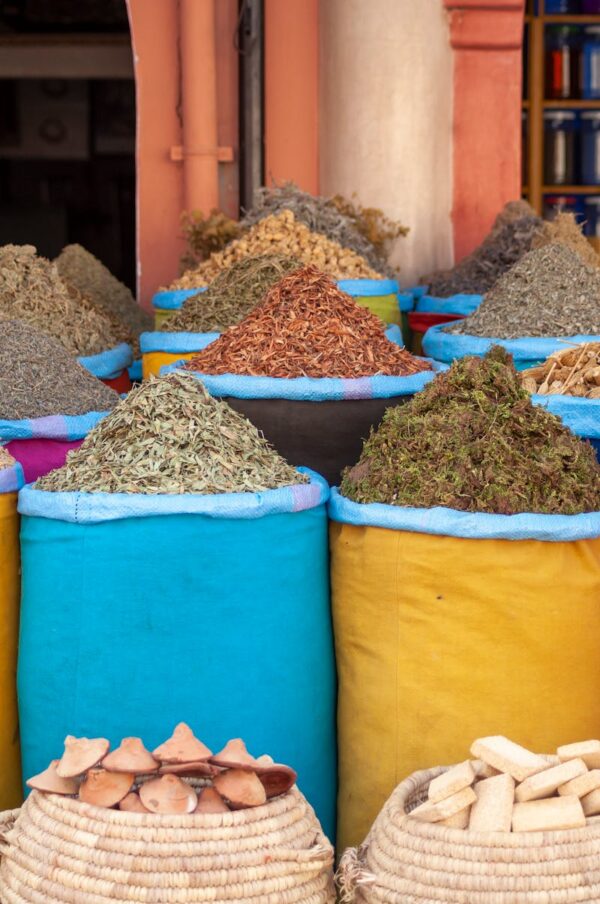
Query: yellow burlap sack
{"type": "Point", "coordinates": [10, 589]}
{"type": "Point", "coordinates": [441, 639]}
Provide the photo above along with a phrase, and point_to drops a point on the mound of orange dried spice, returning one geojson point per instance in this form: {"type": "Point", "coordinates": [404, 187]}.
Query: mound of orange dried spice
{"type": "Point", "coordinates": [307, 327]}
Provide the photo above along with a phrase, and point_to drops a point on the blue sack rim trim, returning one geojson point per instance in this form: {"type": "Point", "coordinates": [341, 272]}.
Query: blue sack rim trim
{"type": "Point", "coordinates": [311, 389]}
{"type": "Point", "coordinates": [175, 343]}
{"type": "Point", "coordinates": [368, 288]}
{"type": "Point", "coordinates": [446, 346]}
{"type": "Point", "coordinates": [393, 332]}
{"type": "Point", "coordinates": [92, 508]}
{"type": "Point", "coordinates": [173, 300]}
{"type": "Point", "coordinates": [12, 479]}
{"type": "Point", "coordinates": [448, 522]}
{"type": "Point", "coordinates": [66, 428]}
{"type": "Point", "coordinates": [135, 370]}
{"type": "Point", "coordinates": [582, 416]}
{"type": "Point", "coordinates": [455, 304]}
{"type": "Point", "coordinates": [406, 302]}
{"type": "Point", "coordinates": [109, 364]}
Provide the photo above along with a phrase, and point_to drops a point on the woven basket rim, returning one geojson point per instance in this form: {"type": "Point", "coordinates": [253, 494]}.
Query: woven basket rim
{"type": "Point", "coordinates": [233, 819]}
{"type": "Point", "coordinates": [435, 832]}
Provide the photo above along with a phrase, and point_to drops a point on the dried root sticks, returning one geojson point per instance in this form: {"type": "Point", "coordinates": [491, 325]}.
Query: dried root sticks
{"type": "Point", "coordinates": [510, 788]}
{"type": "Point", "coordinates": [573, 371]}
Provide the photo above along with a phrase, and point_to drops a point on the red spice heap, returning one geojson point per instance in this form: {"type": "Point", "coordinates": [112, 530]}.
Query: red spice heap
{"type": "Point", "coordinates": [306, 327]}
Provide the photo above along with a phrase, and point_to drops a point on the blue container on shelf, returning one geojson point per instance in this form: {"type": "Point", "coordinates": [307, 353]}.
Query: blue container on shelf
{"type": "Point", "coordinates": [591, 63]}
{"type": "Point", "coordinates": [590, 147]}
{"type": "Point", "coordinates": [561, 7]}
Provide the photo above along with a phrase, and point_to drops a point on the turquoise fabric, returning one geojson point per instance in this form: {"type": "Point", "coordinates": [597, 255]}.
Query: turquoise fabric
{"type": "Point", "coordinates": [131, 625]}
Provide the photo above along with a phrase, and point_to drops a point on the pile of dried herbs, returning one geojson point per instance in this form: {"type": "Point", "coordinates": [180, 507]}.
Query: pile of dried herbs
{"type": "Point", "coordinates": [307, 327]}
{"type": "Point", "coordinates": [510, 238]}
{"type": "Point", "coordinates": [565, 230]}
{"type": "Point", "coordinates": [169, 436]}
{"type": "Point", "coordinates": [281, 234]}
{"type": "Point", "coordinates": [365, 230]}
{"type": "Point", "coordinates": [549, 292]}
{"type": "Point", "coordinates": [206, 234]}
{"type": "Point", "coordinates": [79, 268]}
{"type": "Point", "coordinates": [6, 459]}
{"type": "Point", "coordinates": [32, 290]}
{"type": "Point", "coordinates": [230, 296]}
{"type": "Point", "coordinates": [473, 441]}
{"type": "Point", "coordinates": [38, 377]}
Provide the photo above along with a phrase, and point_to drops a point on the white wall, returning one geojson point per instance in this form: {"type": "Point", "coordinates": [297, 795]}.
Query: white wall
{"type": "Point", "coordinates": [385, 118]}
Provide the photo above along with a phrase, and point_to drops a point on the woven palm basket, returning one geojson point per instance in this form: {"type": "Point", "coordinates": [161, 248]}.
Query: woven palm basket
{"type": "Point", "coordinates": [404, 861]}
{"type": "Point", "coordinates": [57, 849]}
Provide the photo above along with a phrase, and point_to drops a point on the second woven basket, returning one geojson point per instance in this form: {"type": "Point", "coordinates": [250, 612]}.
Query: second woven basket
{"type": "Point", "coordinates": [58, 849]}
{"type": "Point", "coordinates": [405, 861]}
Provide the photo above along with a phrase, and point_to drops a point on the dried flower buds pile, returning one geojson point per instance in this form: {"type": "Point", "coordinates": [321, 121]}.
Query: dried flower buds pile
{"type": "Point", "coordinates": [169, 436]}
{"type": "Point", "coordinates": [181, 776]}
{"type": "Point", "coordinates": [307, 327]}
{"type": "Point", "coordinates": [32, 290]}
{"type": "Point", "coordinates": [38, 377]}
{"type": "Point", "coordinates": [281, 234]}
{"type": "Point", "coordinates": [472, 440]}
{"type": "Point", "coordinates": [572, 371]}
{"type": "Point", "coordinates": [509, 788]}
{"type": "Point", "coordinates": [232, 295]}
{"type": "Point", "coordinates": [81, 269]}
{"type": "Point", "coordinates": [6, 459]}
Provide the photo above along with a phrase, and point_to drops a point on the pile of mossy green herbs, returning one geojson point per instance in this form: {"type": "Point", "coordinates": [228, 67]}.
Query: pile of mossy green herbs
{"type": "Point", "coordinates": [473, 441]}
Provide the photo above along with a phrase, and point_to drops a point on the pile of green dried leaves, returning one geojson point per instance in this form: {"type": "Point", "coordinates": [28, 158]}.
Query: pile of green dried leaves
{"type": "Point", "coordinates": [364, 230]}
{"type": "Point", "coordinates": [511, 237]}
{"type": "Point", "coordinates": [32, 290]}
{"type": "Point", "coordinates": [549, 292]}
{"type": "Point", "coordinates": [81, 269]}
{"type": "Point", "coordinates": [169, 436]}
{"type": "Point", "coordinates": [473, 441]}
{"type": "Point", "coordinates": [38, 377]}
{"type": "Point", "coordinates": [231, 295]}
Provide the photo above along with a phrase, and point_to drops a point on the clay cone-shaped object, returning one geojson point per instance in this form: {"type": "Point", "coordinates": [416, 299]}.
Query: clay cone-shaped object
{"type": "Point", "coordinates": [182, 747]}
{"type": "Point", "coordinates": [210, 801]}
{"type": "Point", "coordinates": [200, 767]}
{"type": "Point", "coordinates": [50, 782]}
{"type": "Point", "coordinates": [105, 789]}
{"type": "Point", "coordinates": [80, 755]}
{"type": "Point", "coordinates": [277, 779]}
{"type": "Point", "coordinates": [168, 794]}
{"type": "Point", "coordinates": [241, 788]}
{"type": "Point", "coordinates": [131, 803]}
{"type": "Point", "coordinates": [234, 756]}
{"type": "Point", "coordinates": [130, 756]}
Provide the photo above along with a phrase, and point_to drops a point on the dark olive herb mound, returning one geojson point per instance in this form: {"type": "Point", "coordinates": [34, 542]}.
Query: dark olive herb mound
{"type": "Point", "coordinates": [473, 441]}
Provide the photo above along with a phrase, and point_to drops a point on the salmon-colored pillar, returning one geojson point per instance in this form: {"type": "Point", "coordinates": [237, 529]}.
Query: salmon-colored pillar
{"type": "Point", "coordinates": [291, 92]}
{"type": "Point", "coordinates": [487, 37]}
{"type": "Point", "coordinates": [154, 34]}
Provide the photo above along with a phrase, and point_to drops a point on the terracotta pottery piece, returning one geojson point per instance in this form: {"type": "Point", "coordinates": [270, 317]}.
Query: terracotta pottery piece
{"type": "Point", "coordinates": [276, 779]}
{"type": "Point", "coordinates": [105, 789]}
{"type": "Point", "coordinates": [241, 788]}
{"type": "Point", "coordinates": [51, 782]}
{"type": "Point", "coordinates": [182, 747]}
{"type": "Point", "coordinates": [210, 801]}
{"type": "Point", "coordinates": [130, 756]}
{"type": "Point", "coordinates": [80, 755]}
{"type": "Point", "coordinates": [234, 756]}
{"type": "Point", "coordinates": [200, 767]}
{"type": "Point", "coordinates": [168, 794]}
{"type": "Point", "coordinates": [131, 803]}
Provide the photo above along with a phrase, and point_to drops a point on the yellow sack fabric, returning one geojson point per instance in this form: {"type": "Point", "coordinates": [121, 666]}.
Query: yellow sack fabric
{"type": "Point", "coordinates": [153, 361]}
{"type": "Point", "coordinates": [385, 306]}
{"type": "Point", "coordinates": [10, 589]}
{"type": "Point", "coordinates": [440, 640]}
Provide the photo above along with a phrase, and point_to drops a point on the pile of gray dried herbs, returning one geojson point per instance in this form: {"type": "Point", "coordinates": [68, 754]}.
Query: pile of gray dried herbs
{"type": "Point", "coordinates": [81, 269]}
{"type": "Point", "coordinates": [473, 441]}
{"type": "Point", "coordinates": [511, 237]}
{"type": "Point", "coordinates": [38, 377]}
{"type": "Point", "coordinates": [32, 290]}
{"type": "Point", "coordinates": [322, 215]}
{"type": "Point", "coordinates": [169, 436]}
{"type": "Point", "coordinates": [550, 292]}
{"type": "Point", "coordinates": [231, 295]}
